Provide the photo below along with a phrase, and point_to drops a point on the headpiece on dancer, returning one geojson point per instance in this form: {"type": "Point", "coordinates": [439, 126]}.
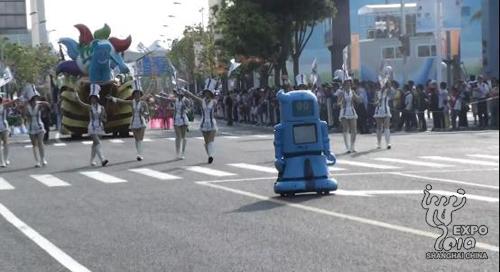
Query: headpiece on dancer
{"type": "Point", "coordinates": [95, 89]}
{"type": "Point", "coordinates": [137, 86]}
{"type": "Point", "coordinates": [211, 85]}
{"type": "Point", "coordinates": [301, 81]}
{"type": "Point", "coordinates": [30, 91]}
{"type": "Point", "coordinates": [338, 75]}
{"type": "Point", "coordinates": [387, 75]}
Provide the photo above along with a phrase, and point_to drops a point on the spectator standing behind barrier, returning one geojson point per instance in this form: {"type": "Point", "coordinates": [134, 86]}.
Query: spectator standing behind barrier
{"type": "Point", "coordinates": [421, 105]}
{"type": "Point", "coordinates": [494, 104]}
{"type": "Point", "coordinates": [455, 106]}
{"type": "Point", "coordinates": [396, 106]}
{"type": "Point", "coordinates": [444, 104]}
{"type": "Point", "coordinates": [361, 107]}
{"type": "Point", "coordinates": [482, 93]}
{"type": "Point", "coordinates": [437, 113]}
{"type": "Point", "coordinates": [228, 102]}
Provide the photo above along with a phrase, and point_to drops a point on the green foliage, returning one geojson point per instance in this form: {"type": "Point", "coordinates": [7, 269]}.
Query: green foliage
{"type": "Point", "coordinates": [182, 54]}
{"type": "Point", "coordinates": [28, 64]}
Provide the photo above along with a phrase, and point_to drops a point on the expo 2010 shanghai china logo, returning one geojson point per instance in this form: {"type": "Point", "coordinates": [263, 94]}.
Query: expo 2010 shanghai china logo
{"type": "Point", "coordinates": [454, 241]}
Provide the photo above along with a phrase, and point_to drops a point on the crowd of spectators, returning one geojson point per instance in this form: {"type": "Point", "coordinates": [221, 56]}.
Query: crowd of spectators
{"type": "Point", "coordinates": [465, 104]}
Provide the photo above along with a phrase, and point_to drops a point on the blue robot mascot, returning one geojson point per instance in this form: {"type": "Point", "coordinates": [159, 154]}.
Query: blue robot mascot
{"type": "Point", "coordinates": [302, 146]}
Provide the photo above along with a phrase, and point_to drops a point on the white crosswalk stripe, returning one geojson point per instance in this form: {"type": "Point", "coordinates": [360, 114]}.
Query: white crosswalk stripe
{"type": "Point", "coordinates": [147, 140]}
{"type": "Point", "coordinates": [28, 146]}
{"type": "Point", "coordinates": [171, 139]}
{"type": "Point", "coordinates": [463, 161]}
{"type": "Point", "coordinates": [87, 142]}
{"type": "Point", "coordinates": [59, 144]}
{"type": "Point", "coordinates": [209, 171]}
{"type": "Point", "coordinates": [102, 177]}
{"type": "Point", "coordinates": [483, 156]}
{"type": "Point", "coordinates": [154, 174]}
{"type": "Point", "coordinates": [335, 169]}
{"type": "Point", "coordinates": [231, 137]}
{"type": "Point", "coordinates": [367, 165]}
{"type": "Point", "coordinates": [4, 185]}
{"type": "Point", "coordinates": [50, 180]}
{"type": "Point", "coordinates": [417, 163]}
{"type": "Point", "coordinates": [254, 167]}
{"type": "Point", "coordinates": [117, 141]}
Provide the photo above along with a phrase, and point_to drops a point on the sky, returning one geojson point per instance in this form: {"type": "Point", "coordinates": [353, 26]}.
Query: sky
{"type": "Point", "coordinates": [142, 19]}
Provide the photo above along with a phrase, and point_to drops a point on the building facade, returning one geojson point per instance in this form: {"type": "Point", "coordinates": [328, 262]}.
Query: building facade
{"type": "Point", "coordinates": [13, 21]}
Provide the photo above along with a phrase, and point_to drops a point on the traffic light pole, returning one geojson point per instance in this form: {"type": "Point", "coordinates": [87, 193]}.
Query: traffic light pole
{"type": "Point", "coordinates": [403, 33]}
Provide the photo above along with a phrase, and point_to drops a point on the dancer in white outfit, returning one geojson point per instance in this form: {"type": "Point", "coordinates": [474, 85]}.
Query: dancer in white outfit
{"type": "Point", "coordinates": [33, 112]}
{"type": "Point", "coordinates": [181, 122]}
{"type": "Point", "coordinates": [383, 114]}
{"type": "Point", "coordinates": [140, 116]}
{"type": "Point", "coordinates": [97, 115]}
{"type": "Point", "coordinates": [208, 124]}
{"type": "Point", "coordinates": [348, 116]}
{"type": "Point", "coordinates": [4, 132]}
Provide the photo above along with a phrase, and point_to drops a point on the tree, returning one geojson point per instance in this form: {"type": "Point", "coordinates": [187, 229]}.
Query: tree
{"type": "Point", "coordinates": [189, 65]}
{"type": "Point", "coordinates": [288, 25]}
{"type": "Point", "coordinates": [249, 34]}
{"type": "Point", "coordinates": [29, 64]}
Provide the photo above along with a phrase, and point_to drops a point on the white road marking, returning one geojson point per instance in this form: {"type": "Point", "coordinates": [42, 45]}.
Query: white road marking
{"type": "Point", "coordinates": [364, 164]}
{"type": "Point", "coordinates": [335, 169]}
{"type": "Point", "coordinates": [210, 172]}
{"type": "Point", "coordinates": [254, 167]}
{"type": "Point", "coordinates": [4, 185]}
{"type": "Point", "coordinates": [357, 219]}
{"type": "Point", "coordinates": [199, 138]}
{"type": "Point", "coordinates": [416, 192]}
{"type": "Point", "coordinates": [171, 139]}
{"type": "Point", "coordinates": [50, 180]}
{"type": "Point", "coordinates": [446, 180]}
{"type": "Point", "coordinates": [28, 146]}
{"type": "Point", "coordinates": [56, 253]}
{"type": "Point", "coordinates": [464, 161]}
{"type": "Point", "coordinates": [147, 140]}
{"type": "Point", "coordinates": [102, 177]}
{"type": "Point", "coordinates": [87, 142]}
{"type": "Point", "coordinates": [231, 137]}
{"type": "Point", "coordinates": [483, 156]}
{"type": "Point", "coordinates": [154, 174]}
{"type": "Point", "coordinates": [117, 141]}
{"type": "Point", "coordinates": [59, 144]}
{"type": "Point", "coordinates": [263, 136]}
{"type": "Point", "coordinates": [417, 163]}
{"type": "Point", "coordinates": [361, 174]}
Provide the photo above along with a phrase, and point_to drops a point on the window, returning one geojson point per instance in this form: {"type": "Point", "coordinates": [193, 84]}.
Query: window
{"type": "Point", "coordinates": [388, 53]}
{"type": "Point", "coordinates": [305, 134]}
{"type": "Point", "coordinates": [425, 51]}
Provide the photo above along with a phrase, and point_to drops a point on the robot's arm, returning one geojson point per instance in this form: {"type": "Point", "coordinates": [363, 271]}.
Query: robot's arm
{"type": "Point", "coordinates": [326, 143]}
{"type": "Point", "coordinates": [279, 163]}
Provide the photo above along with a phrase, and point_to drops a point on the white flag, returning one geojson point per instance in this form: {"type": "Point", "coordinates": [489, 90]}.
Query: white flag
{"type": "Point", "coordinates": [6, 77]}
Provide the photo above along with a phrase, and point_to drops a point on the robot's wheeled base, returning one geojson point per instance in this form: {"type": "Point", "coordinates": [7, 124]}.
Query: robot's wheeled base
{"type": "Point", "coordinates": [290, 188]}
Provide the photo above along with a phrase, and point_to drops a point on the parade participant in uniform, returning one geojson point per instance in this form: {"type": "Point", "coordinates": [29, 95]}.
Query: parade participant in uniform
{"type": "Point", "coordinates": [36, 130]}
{"type": "Point", "coordinates": [140, 116]}
{"type": "Point", "coordinates": [97, 115]}
{"type": "Point", "coordinates": [181, 122]}
{"type": "Point", "coordinates": [208, 124]}
{"type": "Point", "coordinates": [348, 116]}
{"type": "Point", "coordinates": [4, 132]}
{"type": "Point", "coordinates": [383, 114]}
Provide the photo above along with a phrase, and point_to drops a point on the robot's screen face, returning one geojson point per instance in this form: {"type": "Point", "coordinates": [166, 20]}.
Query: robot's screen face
{"type": "Point", "coordinates": [303, 108]}
{"type": "Point", "coordinates": [305, 134]}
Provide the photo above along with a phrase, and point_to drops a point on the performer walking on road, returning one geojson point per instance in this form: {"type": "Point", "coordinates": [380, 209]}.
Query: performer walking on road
{"type": "Point", "coordinates": [4, 132]}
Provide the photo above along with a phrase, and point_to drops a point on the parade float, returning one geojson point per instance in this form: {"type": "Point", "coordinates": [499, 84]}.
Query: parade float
{"type": "Point", "coordinates": [95, 58]}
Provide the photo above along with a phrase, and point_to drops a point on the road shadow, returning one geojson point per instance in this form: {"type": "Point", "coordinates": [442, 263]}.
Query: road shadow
{"type": "Point", "coordinates": [265, 205]}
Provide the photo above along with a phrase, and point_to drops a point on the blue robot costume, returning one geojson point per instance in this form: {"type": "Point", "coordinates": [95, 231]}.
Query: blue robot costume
{"type": "Point", "coordinates": [302, 146]}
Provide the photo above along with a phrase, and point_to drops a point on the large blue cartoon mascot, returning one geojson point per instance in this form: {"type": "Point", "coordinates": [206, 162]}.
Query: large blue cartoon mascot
{"type": "Point", "coordinates": [302, 146]}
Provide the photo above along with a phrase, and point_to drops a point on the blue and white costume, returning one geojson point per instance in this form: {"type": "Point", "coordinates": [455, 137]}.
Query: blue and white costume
{"type": "Point", "coordinates": [35, 124]}
{"type": "Point", "coordinates": [347, 110]}
{"type": "Point", "coordinates": [383, 109]}
{"type": "Point", "coordinates": [4, 125]}
{"type": "Point", "coordinates": [180, 113]}
{"type": "Point", "coordinates": [208, 122]}
{"type": "Point", "coordinates": [96, 126]}
{"type": "Point", "coordinates": [139, 114]}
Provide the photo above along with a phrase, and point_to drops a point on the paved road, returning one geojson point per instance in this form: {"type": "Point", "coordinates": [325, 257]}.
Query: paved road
{"type": "Point", "coordinates": [167, 215]}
